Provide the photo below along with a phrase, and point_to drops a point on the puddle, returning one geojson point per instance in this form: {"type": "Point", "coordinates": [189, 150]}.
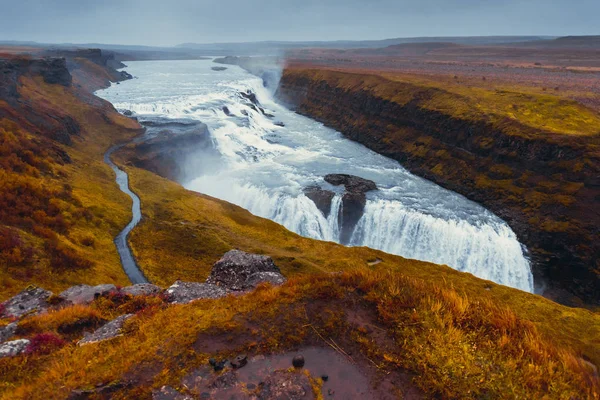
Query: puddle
{"type": "Point", "coordinates": [344, 379]}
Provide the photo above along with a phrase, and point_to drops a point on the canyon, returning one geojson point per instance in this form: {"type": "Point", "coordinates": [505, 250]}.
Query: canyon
{"type": "Point", "coordinates": [404, 326]}
{"type": "Point", "coordinates": [542, 181]}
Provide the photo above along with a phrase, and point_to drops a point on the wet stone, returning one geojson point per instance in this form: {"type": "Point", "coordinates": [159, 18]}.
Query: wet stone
{"type": "Point", "coordinates": [239, 361]}
{"type": "Point", "coordinates": [298, 361]}
{"type": "Point", "coordinates": [220, 366]}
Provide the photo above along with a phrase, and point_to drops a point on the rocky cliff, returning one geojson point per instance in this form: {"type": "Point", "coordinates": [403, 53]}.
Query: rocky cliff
{"type": "Point", "coordinates": [544, 184]}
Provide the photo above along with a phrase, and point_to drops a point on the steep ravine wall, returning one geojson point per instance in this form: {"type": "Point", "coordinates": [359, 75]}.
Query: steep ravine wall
{"type": "Point", "coordinates": [544, 185]}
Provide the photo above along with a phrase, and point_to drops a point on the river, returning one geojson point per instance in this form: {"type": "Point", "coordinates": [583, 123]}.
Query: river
{"type": "Point", "coordinates": [266, 159]}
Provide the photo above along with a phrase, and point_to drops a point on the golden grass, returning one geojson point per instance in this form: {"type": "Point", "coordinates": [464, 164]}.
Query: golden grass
{"type": "Point", "coordinates": [457, 346]}
{"type": "Point", "coordinates": [547, 113]}
{"type": "Point", "coordinates": [93, 186]}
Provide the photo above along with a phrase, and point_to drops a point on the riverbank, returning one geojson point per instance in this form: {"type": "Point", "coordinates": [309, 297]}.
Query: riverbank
{"type": "Point", "coordinates": [541, 181]}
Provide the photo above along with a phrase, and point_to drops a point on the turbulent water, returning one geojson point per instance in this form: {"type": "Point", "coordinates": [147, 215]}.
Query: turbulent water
{"type": "Point", "coordinates": [264, 167]}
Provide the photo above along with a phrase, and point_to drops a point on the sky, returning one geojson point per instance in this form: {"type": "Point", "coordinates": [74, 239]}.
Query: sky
{"type": "Point", "coordinates": [171, 22]}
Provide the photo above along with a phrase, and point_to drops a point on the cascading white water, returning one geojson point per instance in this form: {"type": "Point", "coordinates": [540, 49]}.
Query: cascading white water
{"type": "Point", "coordinates": [264, 167]}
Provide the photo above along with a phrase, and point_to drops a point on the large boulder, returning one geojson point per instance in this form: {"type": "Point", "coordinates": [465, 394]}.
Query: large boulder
{"type": "Point", "coordinates": [186, 292]}
{"type": "Point", "coordinates": [351, 183]}
{"type": "Point", "coordinates": [141, 289]}
{"type": "Point", "coordinates": [85, 294]}
{"type": "Point", "coordinates": [14, 348]}
{"type": "Point", "coordinates": [353, 201]}
{"type": "Point", "coordinates": [6, 332]}
{"type": "Point", "coordinates": [31, 300]}
{"type": "Point", "coordinates": [109, 331]}
{"type": "Point", "coordinates": [238, 270]}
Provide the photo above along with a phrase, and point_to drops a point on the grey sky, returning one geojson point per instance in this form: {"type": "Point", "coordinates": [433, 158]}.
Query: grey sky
{"type": "Point", "coordinates": [164, 22]}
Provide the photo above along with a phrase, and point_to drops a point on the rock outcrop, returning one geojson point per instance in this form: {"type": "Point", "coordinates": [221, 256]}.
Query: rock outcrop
{"type": "Point", "coordinates": [186, 292]}
{"type": "Point", "coordinates": [141, 289]}
{"type": "Point", "coordinates": [85, 294]}
{"type": "Point", "coordinates": [173, 148]}
{"type": "Point", "coordinates": [109, 331]}
{"type": "Point", "coordinates": [238, 270]}
{"type": "Point", "coordinates": [321, 197]}
{"type": "Point", "coordinates": [30, 300]}
{"type": "Point", "coordinates": [353, 201]}
{"type": "Point", "coordinates": [6, 332]}
{"type": "Point", "coordinates": [14, 348]}
{"type": "Point", "coordinates": [52, 70]}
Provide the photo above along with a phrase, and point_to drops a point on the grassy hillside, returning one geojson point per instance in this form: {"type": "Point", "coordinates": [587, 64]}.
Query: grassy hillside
{"type": "Point", "coordinates": [406, 324]}
{"type": "Point", "coordinates": [449, 343]}
{"type": "Point", "coordinates": [60, 205]}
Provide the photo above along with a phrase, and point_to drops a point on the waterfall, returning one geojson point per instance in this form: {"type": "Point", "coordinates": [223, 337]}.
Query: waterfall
{"type": "Point", "coordinates": [269, 155]}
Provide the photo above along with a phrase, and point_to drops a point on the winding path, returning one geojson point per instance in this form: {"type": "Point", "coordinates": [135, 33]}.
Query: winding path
{"type": "Point", "coordinates": [131, 268]}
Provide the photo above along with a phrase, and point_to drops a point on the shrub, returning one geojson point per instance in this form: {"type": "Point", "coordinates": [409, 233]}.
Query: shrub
{"type": "Point", "coordinates": [44, 343]}
{"type": "Point", "coordinates": [64, 257]}
{"type": "Point", "coordinates": [12, 248]}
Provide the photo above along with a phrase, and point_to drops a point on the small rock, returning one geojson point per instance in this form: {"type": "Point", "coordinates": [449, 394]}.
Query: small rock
{"type": "Point", "coordinates": [236, 269]}
{"type": "Point", "coordinates": [85, 294]}
{"type": "Point", "coordinates": [325, 378]}
{"type": "Point", "coordinates": [186, 292]}
{"type": "Point", "coordinates": [109, 331]}
{"type": "Point", "coordinates": [141, 289]}
{"type": "Point", "coordinates": [278, 123]}
{"type": "Point", "coordinates": [251, 386]}
{"type": "Point", "coordinates": [14, 348]}
{"type": "Point", "coordinates": [298, 361]}
{"type": "Point", "coordinates": [226, 111]}
{"type": "Point", "coordinates": [220, 366]}
{"type": "Point", "coordinates": [219, 68]}
{"type": "Point", "coordinates": [212, 361]}
{"type": "Point", "coordinates": [239, 361]}
{"type": "Point", "coordinates": [6, 332]}
{"type": "Point", "coordinates": [32, 299]}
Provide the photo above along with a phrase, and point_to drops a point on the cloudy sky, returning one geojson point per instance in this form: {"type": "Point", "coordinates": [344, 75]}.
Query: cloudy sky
{"type": "Point", "coordinates": [169, 22]}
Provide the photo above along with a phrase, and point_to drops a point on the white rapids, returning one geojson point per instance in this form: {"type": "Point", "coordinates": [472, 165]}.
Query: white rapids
{"type": "Point", "coordinates": [264, 167]}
